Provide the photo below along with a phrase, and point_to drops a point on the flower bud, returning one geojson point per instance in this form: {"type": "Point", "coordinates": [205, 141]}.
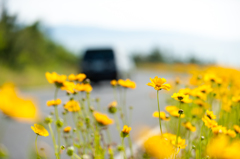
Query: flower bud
{"type": "Point", "coordinates": [62, 147]}
{"type": "Point", "coordinates": [59, 123]}
{"type": "Point", "coordinates": [180, 111]}
{"type": "Point", "coordinates": [202, 137]}
{"type": "Point", "coordinates": [70, 150]}
{"type": "Point", "coordinates": [48, 120]}
{"type": "Point", "coordinates": [193, 147]}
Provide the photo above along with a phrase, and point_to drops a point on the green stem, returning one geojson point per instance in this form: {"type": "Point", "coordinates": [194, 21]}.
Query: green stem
{"type": "Point", "coordinates": [124, 152]}
{"type": "Point", "coordinates": [59, 142]}
{"type": "Point", "coordinates": [54, 141]}
{"type": "Point", "coordinates": [36, 147]}
{"type": "Point", "coordinates": [178, 131]}
{"type": "Point", "coordinates": [200, 144]}
{"type": "Point", "coordinates": [160, 124]}
{"type": "Point", "coordinates": [76, 156]}
{"type": "Point", "coordinates": [109, 136]}
{"type": "Point", "coordinates": [117, 122]}
{"type": "Point", "coordinates": [125, 106]}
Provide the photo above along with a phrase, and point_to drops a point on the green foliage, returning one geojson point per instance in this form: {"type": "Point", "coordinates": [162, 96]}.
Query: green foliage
{"type": "Point", "coordinates": [24, 46]}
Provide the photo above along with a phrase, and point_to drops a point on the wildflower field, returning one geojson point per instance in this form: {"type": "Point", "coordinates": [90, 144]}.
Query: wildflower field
{"type": "Point", "coordinates": [200, 121]}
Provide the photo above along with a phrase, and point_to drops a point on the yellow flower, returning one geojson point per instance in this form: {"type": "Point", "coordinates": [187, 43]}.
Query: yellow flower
{"type": "Point", "coordinates": [175, 113]}
{"type": "Point", "coordinates": [231, 133]}
{"type": "Point", "coordinates": [83, 87]}
{"type": "Point", "coordinates": [55, 78]}
{"type": "Point", "coordinates": [102, 119]}
{"type": "Point", "coordinates": [113, 82]}
{"type": "Point", "coordinates": [219, 130]}
{"type": "Point", "coordinates": [212, 78]}
{"type": "Point", "coordinates": [185, 91]}
{"type": "Point", "coordinates": [180, 96]}
{"type": "Point", "coordinates": [15, 107]}
{"type": "Point", "coordinates": [158, 84]}
{"type": "Point", "coordinates": [80, 77]}
{"type": "Point", "coordinates": [171, 108]}
{"type": "Point", "coordinates": [163, 115]}
{"type": "Point", "coordinates": [88, 88]}
{"type": "Point", "coordinates": [201, 103]}
{"type": "Point", "coordinates": [39, 130]}
{"type": "Point", "coordinates": [236, 99]}
{"type": "Point", "coordinates": [199, 95]}
{"type": "Point", "coordinates": [158, 147]}
{"type": "Point", "coordinates": [127, 83]}
{"type": "Point", "coordinates": [181, 143]}
{"type": "Point", "coordinates": [189, 126]}
{"type": "Point", "coordinates": [220, 147]}
{"type": "Point", "coordinates": [53, 102]}
{"type": "Point", "coordinates": [236, 128]}
{"type": "Point", "coordinates": [72, 77]}
{"type": "Point", "coordinates": [208, 122]}
{"type": "Point", "coordinates": [205, 89]}
{"type": "Point", "coordinates": [67, 129]}
{"type": "Point", "coordinates": [72, 106]}
{"type": "Point", "coordinates": [68, 86]}
{"type": "Point", "coordinates": [126, 129]}
{"type": "Point", "coordinates": [210, 115]}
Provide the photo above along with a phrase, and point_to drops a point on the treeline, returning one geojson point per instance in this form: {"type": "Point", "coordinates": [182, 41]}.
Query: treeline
{"type": "Point", "coordinates": [158, 56]}
{"type": "Point", "coordinates": [24, 46]}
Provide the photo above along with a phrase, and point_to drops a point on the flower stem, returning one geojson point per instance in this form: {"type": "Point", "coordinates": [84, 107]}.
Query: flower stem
{"type": "Point", "coordinates": [178, 131]}
{"type": "Point", "coordinates": [124, 152]}
{"type": "Point", "coordinates": [160, 124]}
{"type": "Point", "coordinates": [36, 147]}
{"type": "Point", "coordinates": [54, 141]}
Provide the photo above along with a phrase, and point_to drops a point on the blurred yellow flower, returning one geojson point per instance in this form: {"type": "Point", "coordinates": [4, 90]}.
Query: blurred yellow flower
{"type": "Point", "coordinates": [236, 128]}
{"type": "Point", "coordinates": [158, 147]}
{"type": "Point", "coordinates": [72, 77]}
{"type": "Point", "coordinates": [231, 133]}
{"type": "Point", "coordinates": [171, 108]}
{"type": "Point", "coordinates": [219, 130]}
{"type": "Point", "coordinates": [39, 130]}
{"type": "Point", "coordinates": [158, 83]}
{"type": "Point", "coordinates": [69, 87]}
{"type": "Point", "coordinates": [54, 102]}
{"type": "Point", "coordinates": [17, 108]}
{"type": "Point", "coordinates": [210, 115]}
{"type": "Point", "coordinates": [236, 99]}
{"type": "Point", "coordinates": [127, 83]}
{"type": "Point", "coordinates": [175, 113]}
{"type": "Point", "coordinates": [220, 147]}
{"type": "Point", "coordinates": [189, 126]}
{"type": "Point", "coordinates": [212, 78]}
{"type": "Point", "coordinates": [126, 129]}
{"type": "Point", "coordinates": [201, 103]}
{"type": "Point", "coordinates": [112, 107]}
{"type": "Point", "coordinates": [67, 129]}
{"type": "Point", "coordinates": [205, 89]}
{"type": "Point", "coordinates": [208, 122]}
{"type": "Point", "coordinates": [163, 115]}
{"type": "Point", "coordinates": [180, 97]}
{"type": "Point", "coordinates": [80, 77]}
{"type": "Point", "coordinates": [72, 106]}
{"type": "Point", "coordinates": [83, 87]}
{"type": "Point", "coordinates": [199, 95]}
{"type": "Point", "coordinates": [55, 78]}
{"type": "Point", "coordinates": [185, 91]}
{"type": "Point", "coordinates": [102, 119]}
{"type": "Point", "coordinates": [181, 143]}
{"type": "Point", "coordinates": [113, 82]}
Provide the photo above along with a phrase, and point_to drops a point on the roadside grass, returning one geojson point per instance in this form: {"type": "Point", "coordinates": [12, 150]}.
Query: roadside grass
{"type": "Point", "coordinates": [32, 76]}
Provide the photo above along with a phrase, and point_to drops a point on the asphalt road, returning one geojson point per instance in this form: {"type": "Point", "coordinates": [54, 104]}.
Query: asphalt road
{"type": "Point", "coordinates": [19, 138]}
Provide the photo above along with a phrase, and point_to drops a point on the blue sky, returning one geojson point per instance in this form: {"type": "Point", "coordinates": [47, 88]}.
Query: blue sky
{"type": "Point", "coordinates": [209, 29]}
